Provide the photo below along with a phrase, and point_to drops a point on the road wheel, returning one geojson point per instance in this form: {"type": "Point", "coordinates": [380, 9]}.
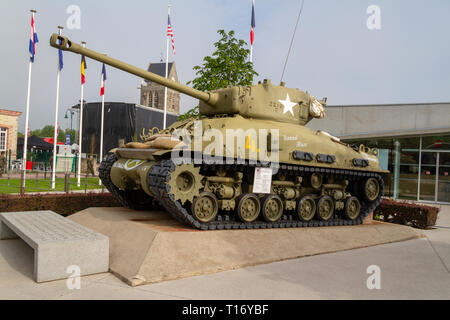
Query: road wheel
{"type": "Point", "coordinates": [325, 208]}
{"type": "Point", "coordinates": [248, 207]}
{"type": "Point", "coordinates": [272, 208]}
{"type": "Point", "coordinates": [306, 208]}
{"type": "Point", "coordinates": [371, 189]}
{"type": "Point", "coordinates": [352, 208]}
{"type": "Point", "coordinates": [205, 207]}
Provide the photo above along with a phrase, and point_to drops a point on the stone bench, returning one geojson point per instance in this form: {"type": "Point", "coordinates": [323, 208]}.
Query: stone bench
{"type": "Point", "coordinates": [57, 242]}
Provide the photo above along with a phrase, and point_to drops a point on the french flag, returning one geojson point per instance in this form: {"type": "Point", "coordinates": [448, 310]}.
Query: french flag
{"type": "Point", "coordinates": [33, 39]}
{"type": "Point", "coordinates": [102, 88]}
{"type": "Point", "coordinates": [252, 30]}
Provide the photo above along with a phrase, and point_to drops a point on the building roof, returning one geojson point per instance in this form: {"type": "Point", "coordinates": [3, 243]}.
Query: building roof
{"type": "Point", "coordinates": [12, 113]}
{"type": "Point", "coordinates": [390, 104]}
{"type": "Point", "coordinates": [159, 68]}
{"type": "Point", "coordinates": [385, 120]}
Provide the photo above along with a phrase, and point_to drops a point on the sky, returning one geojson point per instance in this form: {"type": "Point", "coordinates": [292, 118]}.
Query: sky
{"type": "Point", "coordinates": [334, 53]}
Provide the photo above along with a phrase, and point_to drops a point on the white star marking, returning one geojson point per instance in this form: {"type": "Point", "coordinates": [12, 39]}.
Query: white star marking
{"type": "Point", "coordinates": [288, 105]}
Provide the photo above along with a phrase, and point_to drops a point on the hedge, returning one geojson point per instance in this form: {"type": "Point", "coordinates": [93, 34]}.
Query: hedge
{"type": "Point", "coordinates": [407, 213]}
{"type": "Point", "coordinates": [64, 204]}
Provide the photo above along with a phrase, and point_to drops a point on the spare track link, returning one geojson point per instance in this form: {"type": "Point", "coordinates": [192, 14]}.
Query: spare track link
{"type": "Point", "coordinates": [160, 174]}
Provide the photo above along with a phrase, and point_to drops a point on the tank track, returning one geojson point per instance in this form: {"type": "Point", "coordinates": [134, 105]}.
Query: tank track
{"type": "Point", "coordinates": [161, 171]}
{"type": "Point", "coordinates": [124, 198]}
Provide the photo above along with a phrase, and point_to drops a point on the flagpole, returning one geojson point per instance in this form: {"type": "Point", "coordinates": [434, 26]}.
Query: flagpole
{"type": "Point", "coordinates": [24, 165]}
{"type": "Point", "coordinates": [25, 140]}
{"type": "Point", "coordinates": [80, 130]}
{"type": "Point", "coordinates": [251, 53]}
{"type": "Point", "coordinates": [101, 129]}
{"type": "Point", "coordinates": [167, 71]}
{"type": "Point", "coordinates": [55, 135]}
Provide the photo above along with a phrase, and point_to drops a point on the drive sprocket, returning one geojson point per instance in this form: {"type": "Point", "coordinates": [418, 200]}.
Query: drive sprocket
{"type": "Point", "coordinates": [185, 182]}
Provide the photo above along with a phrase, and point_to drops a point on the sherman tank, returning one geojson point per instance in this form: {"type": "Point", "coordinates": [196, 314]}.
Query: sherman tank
{"type": "Point", "coordinates": [246, 162]}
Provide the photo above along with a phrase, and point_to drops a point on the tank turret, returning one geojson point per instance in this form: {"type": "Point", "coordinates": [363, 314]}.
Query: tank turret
{"type": "Point", "coordinates": [261, 101]}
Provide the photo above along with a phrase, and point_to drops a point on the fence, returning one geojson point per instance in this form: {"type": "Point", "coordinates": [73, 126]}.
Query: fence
{"type": "Point", "coordinates": [44, 162]}
{"type": "Point", "coordinates": [40, 181]}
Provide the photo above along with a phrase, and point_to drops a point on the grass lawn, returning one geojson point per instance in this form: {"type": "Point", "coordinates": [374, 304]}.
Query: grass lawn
{"type": "Point", "coordinates": [44, 185]}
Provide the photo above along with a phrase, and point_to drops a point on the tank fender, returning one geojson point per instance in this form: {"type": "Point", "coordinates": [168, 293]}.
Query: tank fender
{"type": "Point", "coordinates": [131, 174]}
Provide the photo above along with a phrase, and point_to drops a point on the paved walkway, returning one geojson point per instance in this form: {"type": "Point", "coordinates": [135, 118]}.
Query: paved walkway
{"type": "Point", "coordinates": [414, 269]}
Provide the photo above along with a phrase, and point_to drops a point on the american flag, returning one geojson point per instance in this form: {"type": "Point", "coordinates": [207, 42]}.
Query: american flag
{"type": "Point", "coordinates": [33, 39]}
{"type": "Point", "coordinates": [170, 33]}
{"type": "Point", "coordinates": [102, 88]}
{"type": "Point", "coordinates": [252, 30]}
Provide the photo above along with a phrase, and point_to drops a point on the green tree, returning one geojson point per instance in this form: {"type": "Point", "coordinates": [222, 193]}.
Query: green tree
{"type": "Point", "coordinates": [228, 65]}
{"type": "Point", "coordinates": [61, 136]}
{"type": "Point", "coordinates": [36, 132]}
{"type": "Point", "coordinates": [48, 132]}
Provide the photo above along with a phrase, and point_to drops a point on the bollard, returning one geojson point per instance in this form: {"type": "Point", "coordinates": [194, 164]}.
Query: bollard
{"type": "Point", "coordinates": [66, 182]}
{"type": "Point", "coordinates": [37, 180]}
{"type": "Point", "coordinates": [22, 178]}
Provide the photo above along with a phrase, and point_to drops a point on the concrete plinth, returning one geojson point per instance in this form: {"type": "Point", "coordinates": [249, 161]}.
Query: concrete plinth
{"type": "Point", "coordinates": [148, 247]}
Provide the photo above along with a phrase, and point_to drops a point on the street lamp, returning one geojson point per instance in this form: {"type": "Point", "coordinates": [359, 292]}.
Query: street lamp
{"type": "Point", "coordinates": [72, 112]}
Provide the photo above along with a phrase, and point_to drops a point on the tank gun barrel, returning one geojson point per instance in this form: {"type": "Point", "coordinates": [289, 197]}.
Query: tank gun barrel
{"type": "Point", "coordinates": [63, 43]}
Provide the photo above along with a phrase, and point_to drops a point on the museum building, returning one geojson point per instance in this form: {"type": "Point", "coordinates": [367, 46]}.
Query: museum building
{"type": "Point", "coordinates": [413, 142]}
{"type": "Point", "coordinates": [8, 132]}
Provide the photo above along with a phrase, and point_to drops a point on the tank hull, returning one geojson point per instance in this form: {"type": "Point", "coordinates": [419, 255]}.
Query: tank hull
{"type": "Point", "coordinates": [312, 172]}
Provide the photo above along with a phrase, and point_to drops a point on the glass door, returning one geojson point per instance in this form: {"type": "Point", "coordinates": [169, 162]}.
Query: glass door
{"type": "Point", "coordinates": [428, 176]}
{"type": "Point", "coordinates": [443, 190]}
{"type": "Point", "coordinates": [409, 169]}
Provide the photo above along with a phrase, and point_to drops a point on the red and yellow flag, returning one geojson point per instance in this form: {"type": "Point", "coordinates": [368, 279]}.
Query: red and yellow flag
{"type": "Point", "coordinates": [83, 67]}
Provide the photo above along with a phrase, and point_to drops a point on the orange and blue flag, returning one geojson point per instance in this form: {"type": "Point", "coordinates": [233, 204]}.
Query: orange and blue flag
{"type": "Point", "coordinates": [33, 39]}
